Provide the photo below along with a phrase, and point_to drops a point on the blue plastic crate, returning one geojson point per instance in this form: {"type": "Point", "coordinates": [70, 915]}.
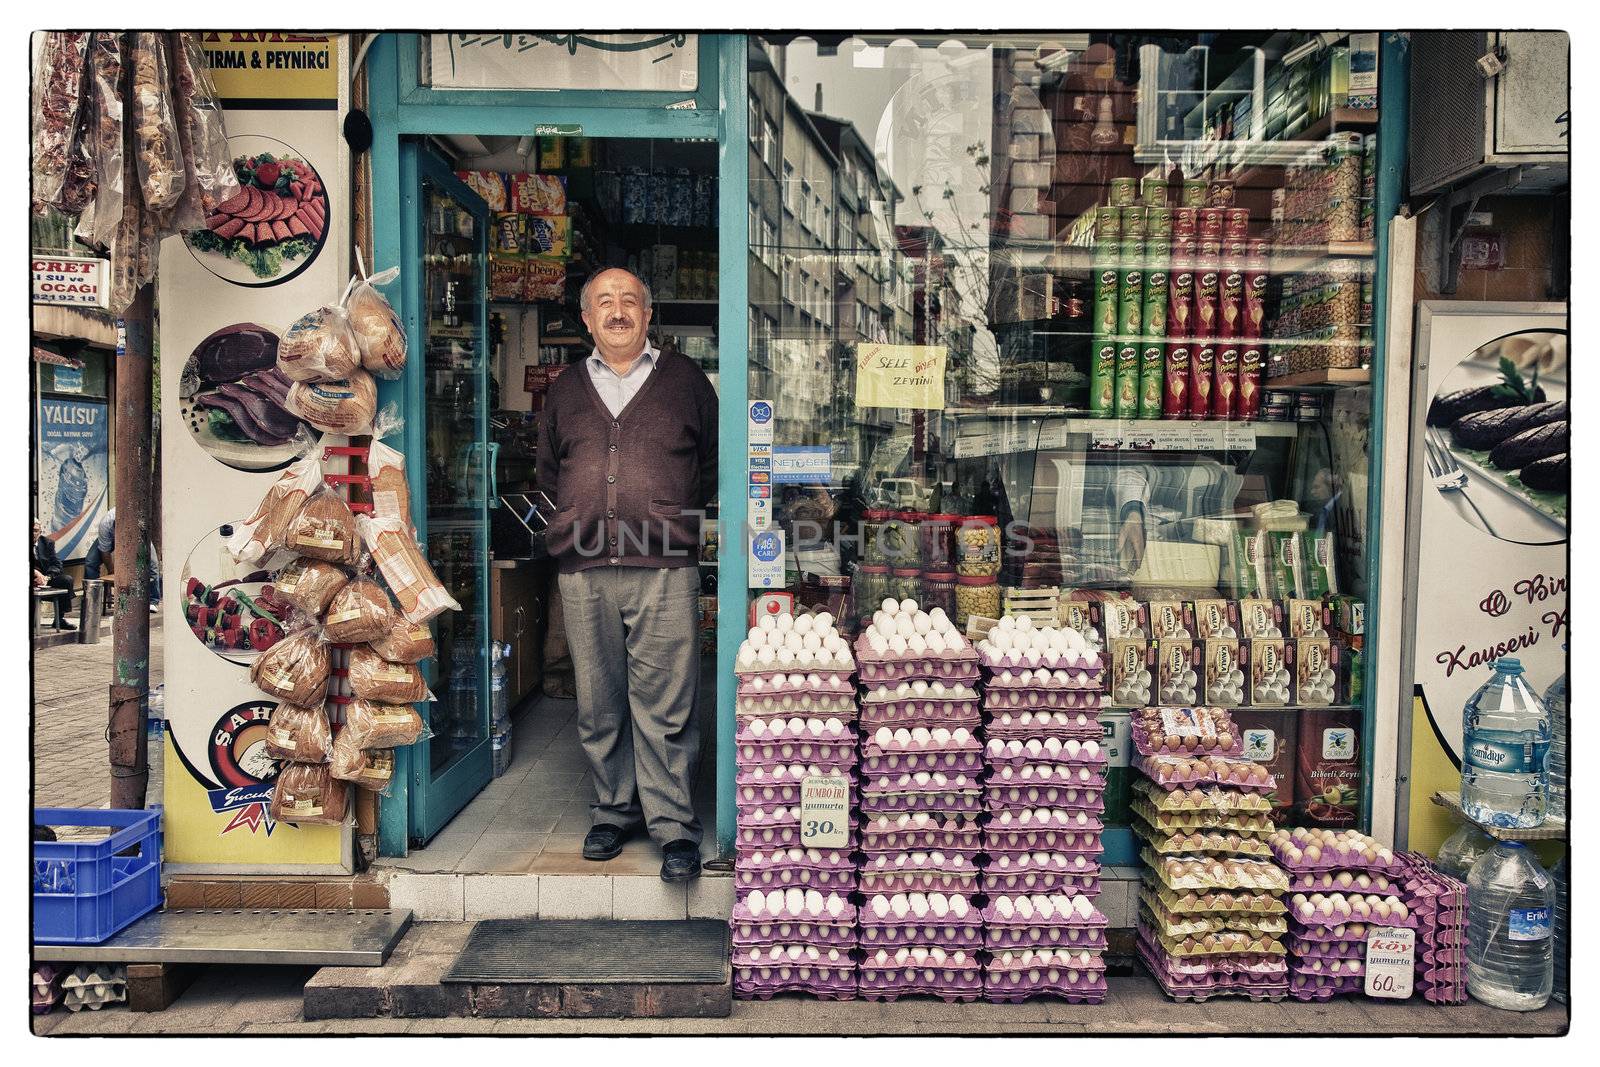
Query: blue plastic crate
{"type": "Point", "coordinates": [83, 892]}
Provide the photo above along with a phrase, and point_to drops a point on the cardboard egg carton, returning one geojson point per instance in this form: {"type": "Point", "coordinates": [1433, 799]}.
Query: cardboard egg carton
{"type": "Point", "coordinates": [890, 692]}
{"type": "Point", "coordinates": [1043, 911]}
{"type": "Point", "coordinates": [996, 701]}
{"type": "Point", "coordinates": [1001, 798]}
{"type": "Point", "coordinates": [899, 762]}
{"type": "Point", "coordinates": [914, 740]}
{"type": "Point", "coordinates": [841, 706]}
{"type": "Point", "coordinates": [1079, 724]}
{"type": "Point", "coordinates": [1012, 961]}
{"type": "Point", "coordinates": [781, 753]}
{"type": "Point", "coordinates": [1185, 731]}
{"type": "Point", "coordinates": [826, 965]}
{"type": "Point", "coordinates": [841, 880]}
{"type": "Point", "coordinates": [928, 909]}
{"type": "Point", "coordinates": [945, 935]}
{"type": "Point", "coordinates": [1341, 881]}
{"type": "Point", "coordinates": [1201, 842]}
{"type": "Point", "coordinates": [1348, 931]}
{"type": "Point", "coordinates": [909, 831]}
{"type": "Point", "coordinates": [1085, 755]}
{"type": "Point", "coordinates": [1040, 773]}
{"type": "Point", "coordinates": [1213, 872]}
{"type": "Point", "coordinates": [1180, 771]}
{"type": "Point", "coordinates": [942, 803]}
{"type": "Point", "coordinates": [1213, 901]}
{"type": "Point", "coordinates": [746, 987]}
{"type": "Point", "coordinates": [1302, 849]}
{"type": "Point", "coordinates": [1076, 985]}
{"type": "Point", "coordinates": [1201, 797]}
{"type": "Point", "coordinates": [1336, 909]}
{"type": "Point", "coordinates": [1177, 822]}
{"type": "Point", "coordinates": [1328, 950]}
{"type": "Point", "coordinates": [926, 713]}
{"type": "Point", "coordinates": [1174, 924]}
{"type": "Point", "coordinates": [760, 776]}
{"type": "Point", "coordinates": [769, 836]}
{"type": "Point", "coordinates": [1323, 987]}
{"type": "Point", "coordinates": [921, 784]}
{"type": "Point", "coordinates": [947, 668]}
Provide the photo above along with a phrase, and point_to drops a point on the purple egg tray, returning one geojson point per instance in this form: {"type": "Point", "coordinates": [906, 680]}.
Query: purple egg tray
{"type": "Point", "coordinates": [1345, 855]}
{"type": "Point", "coordinates": [1329, 882]}
{"type": "Point", "coordinates": [893, 984]}
{"type": "Point", "coordinates": [894, 763]}
{"type": "Point", "coordinates": [1023, 938]}
{"type": "Point", "coordinates": [1328, 966]}
{"type": "Point", "coordinates": [795, 679]}
{"type": "Point", "coordinates": [1352, 909]}
{"type": "Point", "coordinates": [1306, 987]}
{"type": "Point", "coordinates": [1010, 961]}
{"type": "Point", "coordinates": [752, 796]}
{"type": "Point", "coordinates": [746, 989]}
{"type": "Point", "coordinates": [1341, 950]}
{"type": "Point", "coordinates": [925, 670]}
{"type": "Point", "coordinates": [1070, 994]}
{"type": "Point", "coordinates": [1356, 931]}
{"type": "Point", "coordinates": [820, 958]}
{"type": "Point", "coordinates": [749, 934]}
{"type": "Point", "coordinates": [788, 703]}
{"type": "Point", "coordinates": [1069, 983]}
{"type": "Point", "coordinates": [1443, 987]}
{"type": "Point", "coordinates": [1455, 956]}
{"type": "Point", "coordinates": [1013, 701]}
{"type": "Point", "coordinates": [1035, 753]}
{"type": "Point", "coordinates": [1259, 966]}
{"type": "Point", "coordinates": [921, 831]}
{"type": "Point", "coordinates": [842, 880]}
{"type": "Point", "coordinates": [942, 803]}
{"type": "Point", "coordinates": [1022, 798]}
{"type": "Point", "coordinates": [1204, 987]}
{"type": "Point", "coordinates": [766, 838]}
{"type": "Point", "coordinates": [757, 818]}
{"type": "Point", "coordinates": [826, 859]}
{"type": "Point", "coordinates": [1023, 725]}
{"type": "Point", "coordinates": [1031, 660]}
{"type": "Point", "coordinates": [1172, 772]}
{"type": "Point", "coordinates": [921, 882]}
{"type": "Point", "coordinates": [951, 715]}
{"type": "Point", "coordinates": [968, 938]}
{"type": "Point", "coordinates": [791, 774]}
{"type": "Point", "coordinates": [1041, 882]}
{"type": "Point", "coordinates": [995, 917]}
{"type": "Point", "coordinates": [781, 753]}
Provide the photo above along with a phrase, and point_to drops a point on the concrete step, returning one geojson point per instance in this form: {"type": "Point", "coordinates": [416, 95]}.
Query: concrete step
{"type": "Point", "coordinates": [412, 985]}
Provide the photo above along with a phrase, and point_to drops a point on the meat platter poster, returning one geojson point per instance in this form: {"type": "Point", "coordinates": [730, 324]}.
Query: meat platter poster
{"type": "Point", "coordinates": [271, 254]}
{"type": "Point", "coordinates": [1488, 514]}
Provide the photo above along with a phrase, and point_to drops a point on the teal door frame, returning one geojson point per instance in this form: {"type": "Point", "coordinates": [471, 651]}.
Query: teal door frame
{"type": "Point", "coordinates": [400, 107]}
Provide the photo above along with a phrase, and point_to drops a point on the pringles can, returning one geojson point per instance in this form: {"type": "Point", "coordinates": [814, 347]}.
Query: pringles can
{"type": "Point", "coordinates": [1156, 284]}
{"type": "Point", "coordinates": [1153, 190]}
{"type": "Point", "coordinates": [1152, 373]}
{"type": "Point", "coordinates": [1249, 380]}
{"type": "Point", "coordinates": [1194, 192]}
{"type": "Point", "coordinates": [1255, 291]}
{"type": "Point", "coordinates": [1175, 390]}
{"type": "Point", "coordinates": [1207, 283]}
{"type": "Point", "coordinates": [1127, 398]}
{"type": "Point", "coordinates": [1124, 191]}
{"type": "Point", "coordinates": [1107, 225]}
{"type": "Point", "coordinates": [1202, 376]}
{"type": "Point", "coordinates": [1130, 298]}
{"type": "Point", "coordinates": [1225, 392]}
{"type": "Point", "coordinates": [1230, 296]}
{"type": "Point", "coordinates": [1180, 288]}
{"type": "Point", "coordinates": [1102, 377]}
{"type": "Point", "coordinates": [1105, 295]}
{"type": "Point", "coordinates": [1134, 218]}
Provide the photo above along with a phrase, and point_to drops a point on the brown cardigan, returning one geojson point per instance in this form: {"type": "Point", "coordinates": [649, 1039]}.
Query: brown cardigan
{"type": "Point", "coordinates": [629, 491]}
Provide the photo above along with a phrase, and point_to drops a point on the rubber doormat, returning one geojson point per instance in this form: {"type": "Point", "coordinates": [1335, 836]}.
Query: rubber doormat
{"type": "Point", "coordinates": [564, 951]}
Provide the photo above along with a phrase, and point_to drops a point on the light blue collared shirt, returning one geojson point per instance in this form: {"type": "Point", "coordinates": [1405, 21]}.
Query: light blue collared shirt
{"type": "Point", "coordinates": [617, 389]}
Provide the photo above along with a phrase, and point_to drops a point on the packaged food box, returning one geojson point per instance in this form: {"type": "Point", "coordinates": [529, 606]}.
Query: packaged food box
{"type": "Point", "coordinates": [1259, 617]}
{"type": "Point", "coordinates": [1123, 617]}
{"type": "Point", "coordinates": [1269, 736]}
{"type": "Point", "coordinates": [1306, 618]}
{"type": "Point", "coordinates": [1327, 780]}
{"type": "Point", "coordinates": [1316, 562]}
{"type": "Point", "coordinates": [507, 277]}
{"type": "Point", "coordinates": [1131, 679]}
{"type": "Point", "coordinates": [546, 280]}
{"type": "Point", "coordinates": [1283, 555]}
{"type": "Point", "coordinates": [1349, 614]}
{"type": "Point", "coordinates": [1271, 676]}
{"type": "Point", "coordinates": [1216, 618]}
{"type": "Point", "coordinates": [552, 153]}
{"type": "Point", "coordinates": [490, 185]}
{"type": "Point", "coordinates": [538, 194]}
{"type": "Point", "coordinates": [1177, 681]}
{"type": "Point", "coordinates": [548, 235]}
{"type": "Point", "coordinates": [509, 236]}
{"type": "Point", "coordinates": [1170, 618]}
{"type": "Point", "coordinates": [1316, 674]}
{"type": "Point", "coordinates": [1221, 672]}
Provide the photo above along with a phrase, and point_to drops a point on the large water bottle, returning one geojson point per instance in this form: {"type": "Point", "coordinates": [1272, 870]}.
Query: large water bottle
{"type": "Point", "coordinates": [1505, 747]}
{"type": "Point", "coordinates": [1555, 702]}
{"type": "Point", "coordinates": [499, 692]}
{"type": "Point", "coordinates": [1461, 850]}
{"type": "Point", "coordinates": [1510, 951]}
{"type": "Point", "coordinates": [1561, 876]}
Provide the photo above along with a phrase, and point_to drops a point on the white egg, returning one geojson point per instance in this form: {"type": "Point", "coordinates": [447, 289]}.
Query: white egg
{"type": "Point", "coordinates": [803, 624]}
{"type": "Point", "coordinates": [766, 655]}
{"type": "Point", "coordinates": [811, 641]}
{"type": "Point", "coordinates": [897, 643]}
{"type": "Point", "coordinates": [756, 902]}
{"type": "Point", "coordinates": [1007, 623]}
{"type": "Point", "coordinates": [785, 622]}
{"type": "Point", "coordinates": [936, 642]}
{"type": "Point", "coordinates": [917, 644]}
{"type": "Point", "coordinates": [903, 625]}
{"type": "Point", "coordinates": [757, 637]}
{"type": "Point", "coordinates": [877, 642]}
{"type": "Point", "coordinates": [1000, 640]}
{"type": "Point", "coordinates": [822, 620]}
{"type": "Point", "coordinates": [922, 622]}
{"type": "Point", "coordinates": [785, 657]}
{"type": "Point", "coordinates": [890, 605]}
{"type": "Point", "coordinates": [767, 623]}
{"type": "Point", "coordinates": [908, 606]}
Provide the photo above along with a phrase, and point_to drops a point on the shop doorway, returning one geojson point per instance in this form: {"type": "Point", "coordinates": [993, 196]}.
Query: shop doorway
{"type": "Point", "coordinates": [501, 233]}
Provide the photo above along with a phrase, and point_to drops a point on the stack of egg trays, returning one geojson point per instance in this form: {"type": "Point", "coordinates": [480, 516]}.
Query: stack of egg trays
{"type": "Point", "coordinates": [1341, 883]}
{"type": "Point", "coordinates": [1044, 944]}
{"type": "Point", "coordinates": [1210, 858]}
{"type": "Point", "coordinates": [1045, 798]}
{"type": "Point", "coordinates": [1439, 903]}
{"type": "Point", "coordinates": [794, 941]}
{"type": "Point", "coordinates": [791, 726]}
{"type": "Point", "coordinates": [920, 943]}
{"type": "Point", "coordinates": [921, 794]}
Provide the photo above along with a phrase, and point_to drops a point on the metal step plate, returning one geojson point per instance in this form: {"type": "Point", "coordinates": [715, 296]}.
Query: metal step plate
{"type": "Point", "coordinates": [332, 937]}
{"type": "Point", "coordinates": [594, 951]}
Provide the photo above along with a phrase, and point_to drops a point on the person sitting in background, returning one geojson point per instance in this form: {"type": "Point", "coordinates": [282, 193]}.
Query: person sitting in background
{"type": "Point", "coordinates": [101, 556]}
{"type": "Point", "coordinates": [47, 574]}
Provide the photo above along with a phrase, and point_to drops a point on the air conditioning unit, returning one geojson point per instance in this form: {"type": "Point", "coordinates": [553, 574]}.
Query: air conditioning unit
{"type": "Point", "coordinates": [1483, 101]}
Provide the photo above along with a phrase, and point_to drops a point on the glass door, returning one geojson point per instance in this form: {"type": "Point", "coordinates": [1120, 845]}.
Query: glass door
{"type": "Point", "coordinates": [450, 289]}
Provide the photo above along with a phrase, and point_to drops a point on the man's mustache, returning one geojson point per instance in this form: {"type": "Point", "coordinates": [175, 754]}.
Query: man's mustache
{"type": "Point", "coordinates": [619, 322]}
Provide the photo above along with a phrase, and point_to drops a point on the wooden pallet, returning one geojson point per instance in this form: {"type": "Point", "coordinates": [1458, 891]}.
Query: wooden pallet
{"type": "Point", "coordinates": [1038, 605]}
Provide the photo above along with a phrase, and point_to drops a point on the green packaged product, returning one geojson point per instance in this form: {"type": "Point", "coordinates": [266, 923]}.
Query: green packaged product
{"type": "Point", "coordinates": [1158, 224]}
{"type": "Point", "coordinates": [1282, 559]}
{"type": "Point", "coordinates": [1316, 553]}
{"type": "Point", "coordinates": [1102, 377]}
{"type": "Point", "coordinates": [1130, 301]}
{"type": "Point", "coordinates": [1124, 191]}
{"type": "Point", "coordinates": [1153, 190]}
{"type": "Point", "coordinates": [1194, 192]}
{"type": "Point", "coordinates": [1152, 377]}
{"type": "Point", "coordinates": [1134, 218]}
{"type": "Point", "coordinates": [1107, 224]}
{"type": "Point", "coordinates": [1156, 280]}
{"type": "Point", "coordinates": [1105, 298]}
{"type": "Point", "coordinates": [1247, 569]}
{"type": "Point", "coordinates": [1132, 250]}
{"type": "Point", "coordinates": [1127, 399]}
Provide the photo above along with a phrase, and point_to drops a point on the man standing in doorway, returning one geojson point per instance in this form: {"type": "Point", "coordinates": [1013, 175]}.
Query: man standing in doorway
{"type": "Point", "coordinates": [628, 451]}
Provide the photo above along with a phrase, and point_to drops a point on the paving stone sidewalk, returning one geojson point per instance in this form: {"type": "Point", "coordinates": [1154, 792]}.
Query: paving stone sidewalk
{"type": "Point", "coordinates": [71, 686]}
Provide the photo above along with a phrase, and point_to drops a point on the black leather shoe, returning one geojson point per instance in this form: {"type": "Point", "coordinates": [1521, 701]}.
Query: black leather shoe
{"type": "Point", "coordinates": [604, 842]}
{"type": "Point", "coordinates": [680, 861]}
{"type": "Point", "coordinates": [63, 625]}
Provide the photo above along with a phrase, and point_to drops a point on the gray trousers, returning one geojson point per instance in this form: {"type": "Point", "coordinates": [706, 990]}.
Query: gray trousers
{"type": "Point", "coordinates": [636, 663]}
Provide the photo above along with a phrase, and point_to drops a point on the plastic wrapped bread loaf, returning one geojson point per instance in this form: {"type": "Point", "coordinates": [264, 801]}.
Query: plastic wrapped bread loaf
{"type": "Point", "coordinates": [416, 589]}
{"type": "Point", "coordinates": [299, 734]}
{"type": "Point", "coordinates": [377, 330]}
{"type": "Point", "coordinates": [375, 724]}
{"type": "Point", "coordinates": [310, 584]}
{"type": "Point", "coordinates": [391, 494]}
{"type": "Point", "coordinates": [325, 529]}
{"type": "Point", "coordinates": [359, 612]}
{"type": "Point", "coordinates": [308, 793]}
{"type": "Point", "coordinates": [346, 406]}
{"type": "Point", "coordinates": [319, 347]}
{"type": "Point", "coordinates": [374, 678]}
{"type": "Point", "coordinates": [406, 642]}
{"type": "Point", "coordinates": [368, 768]}
{"type": "Point", "coordinates": [267, 530]}
{"type": "Point", "coordinates": [295, 669]}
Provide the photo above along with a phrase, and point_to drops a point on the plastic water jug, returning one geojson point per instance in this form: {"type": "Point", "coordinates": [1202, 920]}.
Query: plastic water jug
{"type": "Point", "coordinates": [1511, 903]}
{"type": "Point", "coordinates": [1505, 748]}
{"type": "Point", "coordinates": [1461, 850]}
{"type": "Point", "coordinates": [1555, 702]}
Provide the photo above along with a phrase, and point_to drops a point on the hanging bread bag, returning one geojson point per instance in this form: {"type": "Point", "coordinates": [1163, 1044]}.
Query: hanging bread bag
{"type": "Point", "coordinates": [319, 347]}
{"type": "Point", "coordinates": [406, 642]}
{"type": "Point", "coordinates": [295, 669]}
{"type": "Point", "coordinates": [417, 590]}
{"type": "Point", "coordinates": [358, 613]}
{"type": "Point", "coordinates": [325, 529]}
{"type": "Point", "coordinates": [369, 768]}
{"type": "Point", "coordinates": [308, 793]}
{"type": "Point", "coordinates": [310, 584]}
{"type": "Point", "coordinates": [299, 734]}
{"type": "Point", "coordinates": [377, 329]}
{"type": "Point", "coordinates": [345, 406]}
{"type": "Point", "coordinates": [267, 528]}
{"type": "Point", "coordinates": [376, 724]}
{"type": "Point", "coordinates": [374, 678]}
